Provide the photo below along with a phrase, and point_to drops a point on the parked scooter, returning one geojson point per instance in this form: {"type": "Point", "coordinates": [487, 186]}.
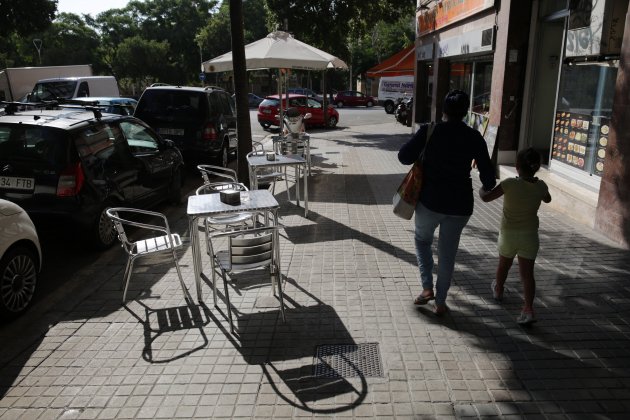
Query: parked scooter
{"type": "Point", "coordinates": [403, 111]}
{"type": "Point", "coordinates": [294, 139]}
{"type": "Point", "coordinates": [293, 123]}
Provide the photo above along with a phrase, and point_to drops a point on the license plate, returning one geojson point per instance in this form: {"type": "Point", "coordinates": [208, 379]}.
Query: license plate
{"type": "Point", "coordinates": [266, 111]}
{"type": "Point", "coordinates": [171, 131]}
{"type": "Point", "coordinates": [14, 183]}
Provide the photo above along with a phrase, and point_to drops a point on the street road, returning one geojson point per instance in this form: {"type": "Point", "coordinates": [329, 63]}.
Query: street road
{"type": "Point", "coordinates": [347, 117]}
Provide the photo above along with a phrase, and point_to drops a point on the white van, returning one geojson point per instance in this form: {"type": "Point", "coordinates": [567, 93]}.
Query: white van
{"type": "Point", "coordinates": [74, 87]}
{"type": "Point", "coordinates": [390, 89]}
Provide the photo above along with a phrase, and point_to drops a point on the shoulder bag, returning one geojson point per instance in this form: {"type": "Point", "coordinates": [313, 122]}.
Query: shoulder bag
{"type": "Point", "coordinates": [407, 195]}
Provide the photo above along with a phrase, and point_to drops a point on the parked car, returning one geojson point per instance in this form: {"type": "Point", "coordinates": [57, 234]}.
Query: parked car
{"type": "Point", "coordinates": [252, 100]}
{"type": "Point", "coordinates": [20, 259]}
{"type": "Point", "coordinates": [354, 98]}
{"type": "Point", "coordinates": [269, 110]}
{"type": "Point", "coordinates": [306, 92]}
{"type": "Point", "coordinates": [201, 121]}
{"type": "Point", "coordinates": [112, 105]}
{"type": "Point", "coordinates": [72, 164]}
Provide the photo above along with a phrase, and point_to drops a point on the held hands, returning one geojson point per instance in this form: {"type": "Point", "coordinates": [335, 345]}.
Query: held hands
{"type": "Point", "coordinates": [493, 194]}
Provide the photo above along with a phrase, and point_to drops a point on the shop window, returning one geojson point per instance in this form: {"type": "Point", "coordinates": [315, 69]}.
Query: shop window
{"type": "Point", "coordinates": [474, 79]}
{"type": "Point", "coordinates": [583, 115]}
{"type": "Point", "coordinates": [460, 76]}
{"type": "Point", "coordinates": [480, 102]}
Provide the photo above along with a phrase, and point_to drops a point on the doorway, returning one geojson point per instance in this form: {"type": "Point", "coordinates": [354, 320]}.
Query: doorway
{"type": "Point", "coordinates": [544, 77]}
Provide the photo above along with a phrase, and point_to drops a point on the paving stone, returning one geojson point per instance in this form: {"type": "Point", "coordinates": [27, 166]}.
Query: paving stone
{"type": "Point", "coordinates": [351, 276]}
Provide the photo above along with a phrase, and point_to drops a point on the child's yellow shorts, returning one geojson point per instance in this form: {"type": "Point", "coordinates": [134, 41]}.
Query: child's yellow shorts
{"type": "Point", "coordinates": [525, 244]}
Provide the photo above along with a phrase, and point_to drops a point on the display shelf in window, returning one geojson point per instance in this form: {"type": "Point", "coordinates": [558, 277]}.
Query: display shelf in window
{"type": "Point", "coordinates": [571, 136]}
{"type": "Point", "coordinates": [600, 148]}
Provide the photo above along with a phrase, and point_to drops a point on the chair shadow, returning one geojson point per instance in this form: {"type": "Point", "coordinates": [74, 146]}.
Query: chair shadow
{"type": "Point", "coordinates": [158, 323]}
{"type": "Point", "coordinates": [293, 342]}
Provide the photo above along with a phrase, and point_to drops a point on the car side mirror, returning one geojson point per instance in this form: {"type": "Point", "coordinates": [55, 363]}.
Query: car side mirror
{"type": "Point", "coordinates": [169, 143]}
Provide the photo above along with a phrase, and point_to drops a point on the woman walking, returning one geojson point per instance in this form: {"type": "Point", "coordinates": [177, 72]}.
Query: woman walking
{"type": "Point", "coordinates": [446, 199]}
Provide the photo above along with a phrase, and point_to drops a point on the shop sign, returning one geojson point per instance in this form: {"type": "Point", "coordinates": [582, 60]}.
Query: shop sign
{"type": "Point", "coordinates": [447, 12]}
{"type": "Point", "coordinates": [468, 43]}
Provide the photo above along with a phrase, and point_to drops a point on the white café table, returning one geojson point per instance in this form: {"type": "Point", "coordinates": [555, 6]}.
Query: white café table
{"type": "Point", "coordinates": [257, 162]}
{"type": "Point", "coordinates": [205, 205]}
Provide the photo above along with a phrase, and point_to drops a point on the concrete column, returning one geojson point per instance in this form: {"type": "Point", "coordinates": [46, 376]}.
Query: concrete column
{"type": "Point", "coordinates": [508, 70]}
{"type": "Point", "coordinates": [440, 87]}
{"type": "Point", "coordinates": [612, 217]}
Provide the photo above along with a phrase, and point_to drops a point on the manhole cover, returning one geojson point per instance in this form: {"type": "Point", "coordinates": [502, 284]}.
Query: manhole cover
{"type": "Point", "coordinates": [348, 360]}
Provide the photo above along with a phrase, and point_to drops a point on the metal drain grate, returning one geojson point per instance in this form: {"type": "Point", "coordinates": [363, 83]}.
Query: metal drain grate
{"type": "Point", "coordinates": [348, 361]}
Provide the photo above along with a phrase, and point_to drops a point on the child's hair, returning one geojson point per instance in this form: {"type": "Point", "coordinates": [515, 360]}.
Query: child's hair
{"type": "Point", "coordinates": [528, 161]}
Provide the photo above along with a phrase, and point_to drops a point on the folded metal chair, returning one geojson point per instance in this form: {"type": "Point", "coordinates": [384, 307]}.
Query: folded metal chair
{"type": "Point", "coordinates": [248, 250]}
{"type": "Point", "coordinates": [165, 243]}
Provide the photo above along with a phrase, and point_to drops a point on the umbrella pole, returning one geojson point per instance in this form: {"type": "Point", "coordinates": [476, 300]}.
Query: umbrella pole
{"type": "Point", "coordinates": [281, 115]}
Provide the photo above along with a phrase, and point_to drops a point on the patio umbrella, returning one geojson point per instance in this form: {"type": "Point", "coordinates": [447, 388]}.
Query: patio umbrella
{"type": "Point", "coordinates": [278, 50]}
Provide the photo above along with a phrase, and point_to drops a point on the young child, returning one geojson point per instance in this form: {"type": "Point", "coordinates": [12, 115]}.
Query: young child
{"type": "Point", "coordinates": [518, 235]}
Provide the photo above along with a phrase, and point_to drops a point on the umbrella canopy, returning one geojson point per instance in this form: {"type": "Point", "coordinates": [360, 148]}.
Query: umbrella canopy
{"type": "Point", "coordinates": [277, 50]}
{"type": "Point", "coordinates": [400, 64]}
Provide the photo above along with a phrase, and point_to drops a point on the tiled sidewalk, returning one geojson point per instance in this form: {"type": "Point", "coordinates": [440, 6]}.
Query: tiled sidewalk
{"type": "Point", "coordinates": [351, 278]}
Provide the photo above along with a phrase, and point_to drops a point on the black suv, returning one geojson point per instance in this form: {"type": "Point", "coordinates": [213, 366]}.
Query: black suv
{"type": "Point", "coordinates": [201, 121]}
{"type": "Point", "coordinates": [74, 163]}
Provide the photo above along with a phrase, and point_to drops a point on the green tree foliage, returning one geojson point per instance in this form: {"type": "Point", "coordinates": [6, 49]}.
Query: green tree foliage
{"type": "Point", "coordinates": [177, 22]}
{"type": "Point", "coordinates": [25, 17]}
{"type": "Point", "coordinates": [70, 41]}
{"type": "Point", "coordinates": [19, 20]}
{"type": "Point", "coordinates": [215, 39]}
{"type": "Point", "coordinates": [140, 59]}
{"type": "Point", "coordinates": [334, 24]}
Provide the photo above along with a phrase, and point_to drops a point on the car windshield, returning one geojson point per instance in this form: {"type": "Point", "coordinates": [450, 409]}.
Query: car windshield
{"type": "Point", "coordinates": [47, 91]}
{"type": "Point", "coordinates": [19, 142]}
{"type": "Point", "coordinates": [169, 105]}
{"type": "Point", "coordinates": [270, 102]}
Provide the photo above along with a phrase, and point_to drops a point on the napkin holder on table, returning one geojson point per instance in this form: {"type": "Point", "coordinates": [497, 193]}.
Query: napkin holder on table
{"type": "Point", "coordinates": [232, 197]}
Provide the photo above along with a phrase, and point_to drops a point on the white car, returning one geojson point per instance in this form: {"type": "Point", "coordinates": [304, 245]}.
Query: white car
{"type": "Point", "coordinates": [20, 259]}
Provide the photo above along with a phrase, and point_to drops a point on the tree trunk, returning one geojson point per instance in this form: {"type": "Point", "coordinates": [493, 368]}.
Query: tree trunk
{"type": "Point", "coordinates": [243, 124]}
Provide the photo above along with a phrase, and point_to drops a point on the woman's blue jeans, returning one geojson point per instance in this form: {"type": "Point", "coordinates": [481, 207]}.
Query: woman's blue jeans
{"type": "Point", "coordinates": [451, 227]}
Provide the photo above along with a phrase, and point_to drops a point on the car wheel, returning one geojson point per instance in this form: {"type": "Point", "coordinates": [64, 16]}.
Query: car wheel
{"type": "Point", "coordinates": [18, 278]}
{"type": "Point", "coordinates": [370, 104]}
{"type": "Point", "coordinates": [265, 125]}
{"type": "Point", "coordinates": [332, 122]}
{"type": "Point", "coordinates": [103, 235]}
{"type": "Point", "coordinates": [223, 158]}
{"type": "Point", "coordinates": [339, 104]}
{"type": "Point", "coordinates": [389, 107]}
{"type": "Point", "coordinates": [175, 190]}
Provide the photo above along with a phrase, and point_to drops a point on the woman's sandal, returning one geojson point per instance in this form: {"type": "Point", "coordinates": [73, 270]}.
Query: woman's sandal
{"type": "Point", "coordinates": [423, 299]}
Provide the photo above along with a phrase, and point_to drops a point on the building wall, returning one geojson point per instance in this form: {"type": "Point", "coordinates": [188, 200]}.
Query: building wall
{"type": "Point", "coordinates": [613, 209]}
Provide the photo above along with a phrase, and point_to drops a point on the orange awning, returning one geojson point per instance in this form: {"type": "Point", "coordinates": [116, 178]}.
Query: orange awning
{"type": "Point", "coordinates": [399, 64]}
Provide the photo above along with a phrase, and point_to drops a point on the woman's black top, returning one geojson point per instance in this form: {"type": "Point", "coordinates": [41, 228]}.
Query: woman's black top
{"type": "Point", "coordinates": [447, 186]}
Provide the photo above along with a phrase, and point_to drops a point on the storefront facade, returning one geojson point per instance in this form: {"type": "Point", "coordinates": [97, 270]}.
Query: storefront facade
{"type": "Point", "coordinates": [543, 74]}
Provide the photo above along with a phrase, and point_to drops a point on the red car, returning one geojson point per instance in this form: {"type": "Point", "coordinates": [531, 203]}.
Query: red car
{"type": "Point", "coordinates": [269, 108]}
{"type": "Point", "coordinates": [354, 98]}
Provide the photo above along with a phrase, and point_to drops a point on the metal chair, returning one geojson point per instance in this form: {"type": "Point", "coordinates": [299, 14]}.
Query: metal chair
{"type": "Point", "coordinates": [270, 175]}
{"type": "Point", "coordinates": [224, 174]}
{"type": "Point", "coordinates": [222, 223]}
{"type": "Point", "coordinates": [166, 243]}
{"type": "Point", "coordinates": [228, 180]}
{"type": "Point", "coordinates": [248, 250]}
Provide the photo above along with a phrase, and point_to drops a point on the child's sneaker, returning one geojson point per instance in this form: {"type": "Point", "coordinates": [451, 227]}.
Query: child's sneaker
{"type": "Point", "coordinates": [496, 294]}
{"type": "Point", "coordinates": [526, 318]}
